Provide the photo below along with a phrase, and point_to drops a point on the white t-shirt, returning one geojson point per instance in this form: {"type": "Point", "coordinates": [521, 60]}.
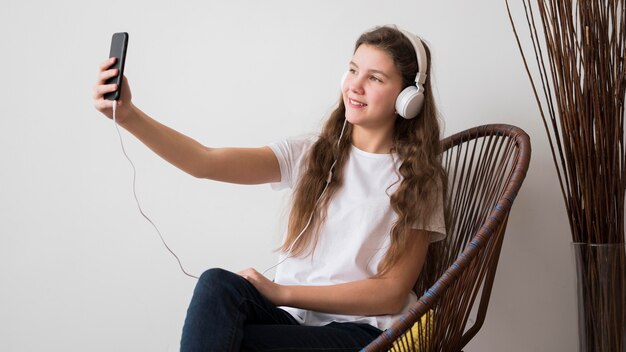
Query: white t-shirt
{"type": "Point", "coordinates": [356, 232]}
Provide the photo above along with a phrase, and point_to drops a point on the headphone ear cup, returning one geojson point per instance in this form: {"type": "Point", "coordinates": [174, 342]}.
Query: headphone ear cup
{"type": "Point", "coordinates": [343, 79]}
{"type": "Point", "coordinates": [409, 102]}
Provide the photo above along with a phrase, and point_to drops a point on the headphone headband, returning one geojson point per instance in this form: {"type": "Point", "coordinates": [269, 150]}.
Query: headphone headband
{"type": "Point", "coordinates": [420, 52]}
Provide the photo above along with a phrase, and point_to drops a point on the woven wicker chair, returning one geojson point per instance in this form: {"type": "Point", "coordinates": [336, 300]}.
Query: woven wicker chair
{"type": "Point", "coordinates": [486, 166]}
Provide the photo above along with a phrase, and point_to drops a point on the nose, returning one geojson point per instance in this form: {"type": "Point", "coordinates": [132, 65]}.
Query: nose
{"type": "Point", "coordinates": [354, 83]}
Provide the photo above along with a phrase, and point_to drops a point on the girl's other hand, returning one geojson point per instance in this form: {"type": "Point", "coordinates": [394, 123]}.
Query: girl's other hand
{"type": "Point", "coordinates": [274, 292]}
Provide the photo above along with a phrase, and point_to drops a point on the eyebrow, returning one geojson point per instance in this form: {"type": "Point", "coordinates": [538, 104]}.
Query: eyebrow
{"type": "Point", "coordinates": [374, 71]}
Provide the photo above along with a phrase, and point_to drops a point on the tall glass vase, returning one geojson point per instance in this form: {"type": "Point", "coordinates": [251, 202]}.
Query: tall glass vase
{"type": "Point", "coordinates": [601, 286]}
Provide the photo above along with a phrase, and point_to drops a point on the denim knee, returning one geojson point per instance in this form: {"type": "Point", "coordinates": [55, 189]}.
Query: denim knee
{"type": "Point", "coordinates": [216, 276]}
{"type": "Point", "coordinates": [218, 281]}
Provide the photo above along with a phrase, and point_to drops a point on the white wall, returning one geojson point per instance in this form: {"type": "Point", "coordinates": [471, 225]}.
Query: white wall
{"type": "Point", "coordinates": [81, 270]}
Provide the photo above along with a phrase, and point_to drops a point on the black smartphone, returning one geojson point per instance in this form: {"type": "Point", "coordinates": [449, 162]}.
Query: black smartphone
{"type": "Point", "coordinates": [119, 43]}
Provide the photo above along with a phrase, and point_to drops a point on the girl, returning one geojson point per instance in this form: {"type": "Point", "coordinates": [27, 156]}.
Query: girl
{"type": "Point", "coordinates": [367, 201]}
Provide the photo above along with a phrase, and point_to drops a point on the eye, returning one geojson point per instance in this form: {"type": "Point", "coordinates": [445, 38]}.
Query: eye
{"type": "Point", "coordinates": [352, 71]}
{"type": "Point", "coordinates": [376, 79]}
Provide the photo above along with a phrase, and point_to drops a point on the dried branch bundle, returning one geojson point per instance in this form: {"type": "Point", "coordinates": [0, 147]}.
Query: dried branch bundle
{"type": "Point", "coordinates": [579, 49]}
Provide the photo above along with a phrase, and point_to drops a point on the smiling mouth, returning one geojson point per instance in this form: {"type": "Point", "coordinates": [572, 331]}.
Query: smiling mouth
{"type": "Point", "coordinates": [357, 103]}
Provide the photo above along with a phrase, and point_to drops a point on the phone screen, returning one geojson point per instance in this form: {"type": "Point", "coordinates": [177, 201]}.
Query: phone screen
{"type": "Point", "coordinates": [119, 43]}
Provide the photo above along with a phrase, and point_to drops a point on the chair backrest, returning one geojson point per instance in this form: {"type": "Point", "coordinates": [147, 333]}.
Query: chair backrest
{"type": "Point", "coordinates": [486, 166]}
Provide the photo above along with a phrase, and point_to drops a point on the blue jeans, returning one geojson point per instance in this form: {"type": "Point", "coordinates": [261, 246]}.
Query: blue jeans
{"type": "Point", "coordinates": [227, 313]}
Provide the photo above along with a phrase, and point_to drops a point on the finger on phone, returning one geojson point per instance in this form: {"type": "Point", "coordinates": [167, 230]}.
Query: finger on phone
{"type": "Point", "coordinates": [108, 74]}
{"type": "Point", "coordinates": [107, 88]}
{"type": "Point", "coordinates": [108, 63]}
{"type": "Point", "coordinates": [101, 90]}
{"type": "Point", "coordinates": [103, 104]}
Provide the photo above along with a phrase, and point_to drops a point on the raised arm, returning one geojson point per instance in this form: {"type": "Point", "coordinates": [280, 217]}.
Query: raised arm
{"type": "Point", "coordinates": [235, 165]}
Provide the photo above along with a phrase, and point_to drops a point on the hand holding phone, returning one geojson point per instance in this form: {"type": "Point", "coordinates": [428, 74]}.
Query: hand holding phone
{"type": "Point", "coordinates": [119, 43]}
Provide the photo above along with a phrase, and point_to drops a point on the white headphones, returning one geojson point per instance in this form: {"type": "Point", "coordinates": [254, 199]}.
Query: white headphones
{"type": "Point", "coordinates": [410, 101]}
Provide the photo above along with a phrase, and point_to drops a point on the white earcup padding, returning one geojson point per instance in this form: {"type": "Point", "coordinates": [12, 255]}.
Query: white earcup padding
{"type": "Point", "coordinates": [343, 79]}
{"type": "Point", "coordinates": [409, 102]}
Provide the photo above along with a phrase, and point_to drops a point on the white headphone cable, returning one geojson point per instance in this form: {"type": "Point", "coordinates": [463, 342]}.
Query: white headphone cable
{"type": "Point", "coordinates": [330, 175]}
{"type": "Point", "coordinates": [137, 200]}
{"type": "Point", "coordinates": [304, 229]}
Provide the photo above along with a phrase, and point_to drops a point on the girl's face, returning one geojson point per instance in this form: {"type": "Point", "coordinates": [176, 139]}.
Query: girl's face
{"type": "Point", "coordinates": [371, 87]}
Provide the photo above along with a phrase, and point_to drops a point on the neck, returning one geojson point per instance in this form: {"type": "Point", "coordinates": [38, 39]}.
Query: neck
{"type": "Point", "coordinates": [377, 141]}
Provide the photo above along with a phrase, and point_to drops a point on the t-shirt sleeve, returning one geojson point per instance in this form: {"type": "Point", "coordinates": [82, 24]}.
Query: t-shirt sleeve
{"type": "Point", "coordinates": [291, 155]}
{"type": "Point", "coordinates": [437, 224]}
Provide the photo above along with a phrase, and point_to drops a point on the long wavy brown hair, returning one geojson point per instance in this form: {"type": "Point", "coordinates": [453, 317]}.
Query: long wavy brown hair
{"type": "Point", "coordinates": [415, 142]}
